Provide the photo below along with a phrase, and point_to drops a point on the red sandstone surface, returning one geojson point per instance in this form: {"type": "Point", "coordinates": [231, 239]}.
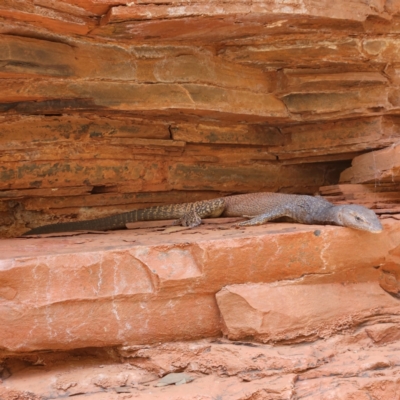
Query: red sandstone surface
{"type": "Point", "coordinates": [108, 105]}
{"type": "Point", "coordinates": [301, 304]}
{"type": "Point", "coordinates": [151, 286]}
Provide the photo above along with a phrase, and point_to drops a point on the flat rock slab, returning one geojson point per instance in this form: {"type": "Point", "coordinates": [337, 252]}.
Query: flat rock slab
{"type": "Point", "coordinates": [151, 285]}
{"type": "Point", "coordinates": [296, 313]}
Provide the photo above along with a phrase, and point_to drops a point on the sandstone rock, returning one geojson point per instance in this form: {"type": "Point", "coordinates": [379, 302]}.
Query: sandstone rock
{"type": "Point", "coordinates": [390, 273]}
{"type": "Point", "coordinates": [347, 366]}
{"type": "Point", "coordinates": [389, 280]}
{"type": "Point", "coordinates": [123, 280]}
{"type": "Point", "coordinates": [61, 21]}
{"type": "Point", "coordinates": [153, 12]}
{"type": "Point", "coordinates": [227, 97]}
{"type": "Point", "coordinates": [110, 105]}
{"type": "Point", "coordinates": [336, 102]}
{"type": "Point", "coordinates": [187, 22]}
{"type": "Point", "coordinates": [338, 137]}
{"type": "Point", "coordinates": [384, 333]}
{"type": "Point", "coordinates": [383, 198]}
{"type": "Point", "coordinates": [381, 166]}
{"type": "Point", "coordinates": [293, 313]}
{"type": "Point", "coordinates": [141, 97]}
{"type": "Point", "coordinates": [18, 395]}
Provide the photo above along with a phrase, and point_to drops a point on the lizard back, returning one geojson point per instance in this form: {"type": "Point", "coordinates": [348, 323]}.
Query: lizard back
{"type": "Point", "coordinates": [301, 207]}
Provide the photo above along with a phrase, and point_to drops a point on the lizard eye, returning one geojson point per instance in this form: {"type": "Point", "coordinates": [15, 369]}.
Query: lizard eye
{"type": "Point", "coordinates": [358, 218]}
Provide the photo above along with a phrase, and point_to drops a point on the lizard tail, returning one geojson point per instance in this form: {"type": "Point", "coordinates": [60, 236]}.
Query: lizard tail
{"type": "Point", "coordinates": [100, 224]}
{"type": "Point", "coordinates": [112, 222]}
{"type": "Point", "coordinates": [192, 211]}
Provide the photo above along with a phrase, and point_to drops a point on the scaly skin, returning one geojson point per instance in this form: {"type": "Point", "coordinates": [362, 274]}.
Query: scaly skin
{"type": "Point", "coordinates": [259, 207]}
{"type": "Point", "coordinates": [264, 207]}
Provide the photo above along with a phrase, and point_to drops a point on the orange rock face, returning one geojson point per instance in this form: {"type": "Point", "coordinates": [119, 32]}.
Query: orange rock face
{"type": "Point", "coordinates": [298, 284]}
{"type": "Point", "coordinates": [382, 166]}
{"type": "Point", "coordinates": [161, 287]}
{"type": "Point", "coordinates": [295, 313]}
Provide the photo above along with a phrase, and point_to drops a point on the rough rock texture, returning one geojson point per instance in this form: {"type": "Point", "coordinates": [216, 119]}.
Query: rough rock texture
{"type": "Point", "coordinates": [381, 166]}
{"type": "Point", "coordinates": [363, 365]}
{"type": "Point", "coordinates": [124, 287]}
{"type": "Point", "coordinates": [295, 313]}
{"type": "Point", "coordinates": [383, 198]}
{"type": "Point", "coordinates": [390, 277]}
{"type": "Point", "coordinates": [109, 105]}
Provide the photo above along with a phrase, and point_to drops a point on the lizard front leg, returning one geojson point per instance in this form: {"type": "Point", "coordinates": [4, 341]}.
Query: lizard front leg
{"type": "Point", "coordinates": [263, 218]}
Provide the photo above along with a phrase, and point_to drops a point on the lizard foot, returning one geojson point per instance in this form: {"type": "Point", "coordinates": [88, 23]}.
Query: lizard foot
{"type": "Point", "coordinates": [258, 220]}
{"type": "Point", "coordinates": [190, 219]}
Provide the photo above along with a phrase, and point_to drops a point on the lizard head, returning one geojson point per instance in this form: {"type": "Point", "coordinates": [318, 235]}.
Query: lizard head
{"type": "Point", "coordinates": [358, 217]}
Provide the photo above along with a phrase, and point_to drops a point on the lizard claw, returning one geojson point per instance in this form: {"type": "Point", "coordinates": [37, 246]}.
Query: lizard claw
{"type": "Point", "coordinates": [243, 223]}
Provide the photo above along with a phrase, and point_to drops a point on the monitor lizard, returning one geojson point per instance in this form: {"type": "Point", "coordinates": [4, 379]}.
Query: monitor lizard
{"type": "Point", "coordinates": [258, 207]}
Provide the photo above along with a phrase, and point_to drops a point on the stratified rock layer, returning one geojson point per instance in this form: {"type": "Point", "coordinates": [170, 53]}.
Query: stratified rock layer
{"type": "Point", "coordinates": [134, 288]}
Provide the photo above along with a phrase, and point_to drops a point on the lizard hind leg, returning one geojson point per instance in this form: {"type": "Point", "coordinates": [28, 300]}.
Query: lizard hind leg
{"type": "Point", "coordinates": [201, 209]}
{"type": "Point", "coordinates": [190, 219]}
